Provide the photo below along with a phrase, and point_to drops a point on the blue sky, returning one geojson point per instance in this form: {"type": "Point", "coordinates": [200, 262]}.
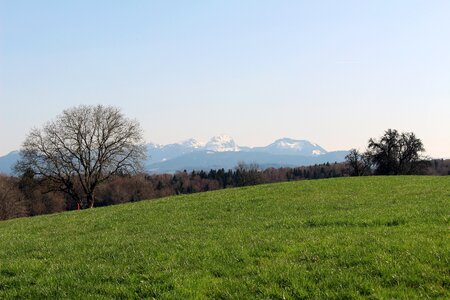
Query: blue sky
{"type": "Point", "coordinates": [333, 72]}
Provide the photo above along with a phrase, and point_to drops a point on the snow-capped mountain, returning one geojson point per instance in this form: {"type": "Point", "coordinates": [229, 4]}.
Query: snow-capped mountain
{"type": "Point", "coordinates": [291, 146]}
{"type": "Point", "coordinates": [222, 152]}
{"type": "Point", "coordinates": [225, 143]}
{"type": "Point", "coordinates": [222, 143]}
{"type": "Point", "coordinates": [158, 152]}
{"type": "Point", "coordinates": [192, 144]}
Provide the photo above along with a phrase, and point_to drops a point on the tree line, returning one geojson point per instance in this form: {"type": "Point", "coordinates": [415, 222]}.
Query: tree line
{"type": "Point", "coordinates": [93, 155]}
{"type": "Point", "coordinates": [27, 195]}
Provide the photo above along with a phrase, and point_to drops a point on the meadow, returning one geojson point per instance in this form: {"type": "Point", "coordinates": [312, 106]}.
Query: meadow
{"type": "Point", "coordinates": [342, 238]}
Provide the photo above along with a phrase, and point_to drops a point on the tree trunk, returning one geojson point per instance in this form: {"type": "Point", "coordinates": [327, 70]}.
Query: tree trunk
{"type": "Point", "coordinates": [90, 201]}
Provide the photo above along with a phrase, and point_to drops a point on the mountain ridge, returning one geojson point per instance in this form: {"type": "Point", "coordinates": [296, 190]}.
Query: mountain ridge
{"type": "Point", "coordinates": [7, 162]}
{"type": "Point", "coordinates": [221, 151]}
{"type": "Point", "coordinates": [207, 160]}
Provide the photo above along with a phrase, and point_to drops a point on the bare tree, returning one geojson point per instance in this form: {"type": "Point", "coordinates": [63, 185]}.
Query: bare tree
{"type": "Point", "coordinates": [82, 148]}
{"type": "Point", "coordinates": [247, 174]}
{"type": "Point", "coordinates": [359, 163]}
{"type": "Point", "coordinates": [11, 200]}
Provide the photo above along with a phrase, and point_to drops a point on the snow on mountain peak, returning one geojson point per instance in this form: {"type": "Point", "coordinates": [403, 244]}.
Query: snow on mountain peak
{"type": "Point", "coordinates": [317, 152]}
{"type": "Point", "coordinates": [222, 143]}
{"type": "Point", "coordinates": [291, 146]}
{"type": "Point", "coordinates": [192, 143]}
{"type": "Point", "coordinates": [225, 143]}
{"type": "Point", "coordinates": [224, 138]}
{"type": "Point", "coordinates": [287, 143]}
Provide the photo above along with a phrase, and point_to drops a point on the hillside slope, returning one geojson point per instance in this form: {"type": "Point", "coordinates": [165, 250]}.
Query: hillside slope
{"type": "Point", "coordinates": [384, 237]}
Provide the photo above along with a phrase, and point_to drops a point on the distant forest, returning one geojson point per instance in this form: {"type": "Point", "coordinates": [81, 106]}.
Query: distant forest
{"type": "Point", "coordinates": [28, 196]}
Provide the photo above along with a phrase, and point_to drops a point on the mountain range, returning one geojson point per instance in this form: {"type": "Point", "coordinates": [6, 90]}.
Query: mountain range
{"type": "Point", "coordinates": [8, 161]}
{"type": "Point", "coordinates": [222, 152]}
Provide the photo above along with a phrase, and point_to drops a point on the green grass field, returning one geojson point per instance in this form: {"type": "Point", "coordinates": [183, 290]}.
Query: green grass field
{"type": "Point", "coordinates": [372, 237]}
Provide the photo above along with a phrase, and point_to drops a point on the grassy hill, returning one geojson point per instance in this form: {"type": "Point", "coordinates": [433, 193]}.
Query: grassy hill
{"type": "Point", "coordinates": [377, 237]}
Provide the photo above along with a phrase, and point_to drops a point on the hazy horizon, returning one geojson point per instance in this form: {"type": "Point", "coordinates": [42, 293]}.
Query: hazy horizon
{"type": "Point", "coordinates": [334, 73]}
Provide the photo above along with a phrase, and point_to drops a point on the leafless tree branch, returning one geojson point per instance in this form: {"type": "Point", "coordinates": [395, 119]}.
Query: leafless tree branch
{"type": "Point", "coordinates": [82, 148]}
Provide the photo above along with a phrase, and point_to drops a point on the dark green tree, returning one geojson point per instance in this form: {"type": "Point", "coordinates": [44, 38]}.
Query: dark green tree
{"type": "Point", "coordinates": [396, 153]}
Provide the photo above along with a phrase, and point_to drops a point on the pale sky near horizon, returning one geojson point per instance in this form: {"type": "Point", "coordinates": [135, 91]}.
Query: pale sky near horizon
{"type": "Point", "coordinates": [333, 72]}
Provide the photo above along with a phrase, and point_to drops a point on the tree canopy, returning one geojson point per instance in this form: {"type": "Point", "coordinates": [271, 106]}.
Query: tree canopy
{"type": "Point", "coordinates": [393, 154]}
{"type": "Point", "coordinates": [82, 148]}
{"type": "Point", "coordinates": [396, 153]}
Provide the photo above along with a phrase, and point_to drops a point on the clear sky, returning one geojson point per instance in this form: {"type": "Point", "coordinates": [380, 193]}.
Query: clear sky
{"type": "Point", "coordinates": [333, 72]}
